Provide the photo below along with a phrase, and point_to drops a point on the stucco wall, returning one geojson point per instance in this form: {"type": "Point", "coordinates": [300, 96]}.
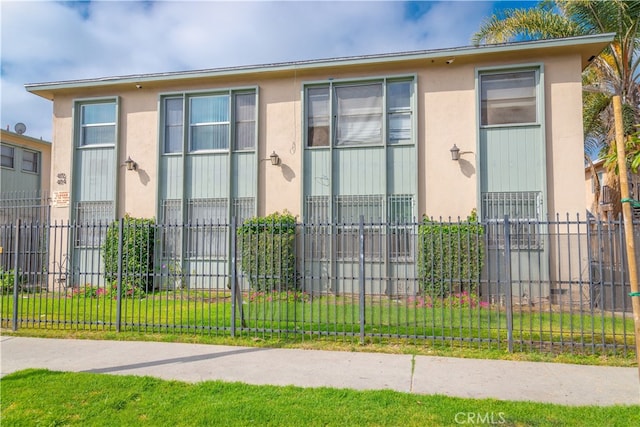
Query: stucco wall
{"type": "Point", "coordinates": [447, 109]}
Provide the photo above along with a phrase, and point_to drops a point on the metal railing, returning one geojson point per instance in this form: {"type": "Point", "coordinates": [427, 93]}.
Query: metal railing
{"type": "Point", "coordinates": [563, 291]}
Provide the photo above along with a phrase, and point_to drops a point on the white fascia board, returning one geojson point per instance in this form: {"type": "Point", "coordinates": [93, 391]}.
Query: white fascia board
{"type": "Point", "coordinates": [323, 63]}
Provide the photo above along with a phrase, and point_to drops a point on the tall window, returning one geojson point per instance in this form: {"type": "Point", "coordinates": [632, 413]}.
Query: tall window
{"type": "Point", "coordinates": [508, 98]}
{"type": "Point", "coordinates": [173, 118]}
{"type": "Point", "coordinates": [355, 114]}
{"type": "Point", "coordinates": [8, 155]}
{"type": "Point", "coordinates": [358, 114]}
{"type": "Point", "coordinates": [98, 124]}
{"type": "Point", "coordinates": [215, 122]}
{"type": "Point", "coordinates": [318, 113]}
{"type": "Point", "coordinates": [30, 161]}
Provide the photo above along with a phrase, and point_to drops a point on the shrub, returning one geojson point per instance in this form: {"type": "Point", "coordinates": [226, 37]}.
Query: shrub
{"type": "Point", "coordinates": [137, 253]}
{"type": "Point", "coordinates": [7, 279]}
{"type": "Point", "coordinates": [267, 248]}
{"type": "Point", "coordinates": [450, 255]}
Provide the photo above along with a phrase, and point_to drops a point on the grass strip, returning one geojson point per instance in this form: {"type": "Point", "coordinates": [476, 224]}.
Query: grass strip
{"type": "Point", "coordinates": [42, 397]}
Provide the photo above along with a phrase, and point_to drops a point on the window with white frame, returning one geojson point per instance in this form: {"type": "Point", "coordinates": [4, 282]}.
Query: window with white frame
{"type": "Point", "coordinates": [98, 123]}
{"type": "Point", "coordinates": [508, 98]}
{"type": "Point", "coordinates": [30, 161]}
{"type": "Point", "coordinates": [215, 122]}
{"type": "Point", "coordinates": [353, 114]}
{"type": "Point", "coordinates": [8, 156]}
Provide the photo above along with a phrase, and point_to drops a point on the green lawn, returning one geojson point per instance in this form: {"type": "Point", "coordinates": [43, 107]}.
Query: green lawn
{"type": "Point", "coordinates": [41, 397]}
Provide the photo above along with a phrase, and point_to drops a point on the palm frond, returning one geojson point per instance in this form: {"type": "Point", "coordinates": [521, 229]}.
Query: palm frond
{"type": "Point", "coordinates": [524, 24]}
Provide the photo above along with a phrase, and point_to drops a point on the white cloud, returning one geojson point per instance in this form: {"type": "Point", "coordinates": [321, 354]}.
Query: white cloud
{"type": "Point", "coordinates": [51, 41]}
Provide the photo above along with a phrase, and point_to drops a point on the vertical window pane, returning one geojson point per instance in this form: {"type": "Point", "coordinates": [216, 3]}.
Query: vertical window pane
{"type": "Point", "coordinates": [98, 124]}
{"type": "Point", "coordinates": [98, 135]}
{"type": "Point", "coordinates": [359, 114]}
{"type": "Point", "coordinates": [399, 95]}
{"type": "Point", "coordinates": [209, 119]}
{"type": "Point", "coordinates": [508, 98]}
{"type": "Point", "coordinates": [30, 161]}
{"type": "Point", "coordinates": [210, 109]}
{"type": "Point", "coordinates": [98, 113]}
{"type": "Point", "coordinates": [318, 117]}
{"type": "Point", "coordinates": [173, 125]}
{"type": "Point", "coordinates": [7, 156]}
{"type": "Point", "coordinates": [245, 116]}
{"type": "Point", "coordinates": [399, 128]}
{"type": "Point", "coordinates": [210, 137]}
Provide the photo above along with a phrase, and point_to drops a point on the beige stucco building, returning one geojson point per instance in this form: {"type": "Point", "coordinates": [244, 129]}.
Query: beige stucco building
{"type": "Point", "coordinates": [440, 98]}
{"type": "Point", "coordinates": [389, 137]}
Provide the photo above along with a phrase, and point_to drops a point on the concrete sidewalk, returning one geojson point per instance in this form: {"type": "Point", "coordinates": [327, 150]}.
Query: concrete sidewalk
{"type": "Point", "coordinates": [499, 379]}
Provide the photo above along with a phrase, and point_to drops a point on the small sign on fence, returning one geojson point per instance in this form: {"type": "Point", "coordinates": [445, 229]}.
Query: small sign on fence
{"type": "Point", "coordinates": [60, 199]}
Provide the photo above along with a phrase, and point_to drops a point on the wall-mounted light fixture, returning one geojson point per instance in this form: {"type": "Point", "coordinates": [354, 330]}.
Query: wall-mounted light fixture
{"type": "Point", "coordinates": [131, 165]}
{"type": "Point", "coordinates": [275, 159]}
{"type": "Point", "coordinates": [455, 152]}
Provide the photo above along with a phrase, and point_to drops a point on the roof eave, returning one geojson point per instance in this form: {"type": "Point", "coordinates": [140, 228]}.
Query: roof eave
{"type": "Point", "coordinates": [46, 90]}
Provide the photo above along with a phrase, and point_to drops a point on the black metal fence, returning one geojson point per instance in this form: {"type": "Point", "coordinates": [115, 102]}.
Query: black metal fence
{"type": "Point", "coordinates": [554, 286]}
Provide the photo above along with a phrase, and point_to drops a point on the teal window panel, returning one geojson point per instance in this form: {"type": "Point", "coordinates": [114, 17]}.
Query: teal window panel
{"type": "Point", "coordinates": [97, 168]}
{"type": "Point", "coordinates": [208, 175]}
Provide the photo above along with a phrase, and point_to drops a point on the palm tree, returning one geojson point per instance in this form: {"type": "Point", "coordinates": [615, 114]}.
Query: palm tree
{"type": "Point", "coordinates": [615, 71]}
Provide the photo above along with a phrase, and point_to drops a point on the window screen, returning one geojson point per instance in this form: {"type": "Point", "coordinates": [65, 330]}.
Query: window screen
{"type": "Point", "coordinates": [359, 114]}
{"type": "Point", "coordinates": [508, 98]}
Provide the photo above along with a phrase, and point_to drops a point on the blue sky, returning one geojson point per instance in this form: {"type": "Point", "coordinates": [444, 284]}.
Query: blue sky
{"type": "Point", "coordinates": [45, 41]}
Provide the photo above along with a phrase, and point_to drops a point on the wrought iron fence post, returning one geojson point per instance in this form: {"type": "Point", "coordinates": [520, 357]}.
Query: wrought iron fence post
{"type": "Point", "coordinates": [119, 277]}
{"type": "Point", "coordinates": [16, 275]}
{"type": "Point", "coordinates": [233, 278]}
{"type": "Point", "coordinates": [508, 289]}
{"type": "Point", "coordinates": [361, 277]}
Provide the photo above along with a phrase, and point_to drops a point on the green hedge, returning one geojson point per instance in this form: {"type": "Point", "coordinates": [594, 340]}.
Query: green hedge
{"type": "Point", "coordinates": [137, 254]}
{"type": "Point", "coordinates": [450, 255]}
{"type": "Point", "coordinates": [267, 248]}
